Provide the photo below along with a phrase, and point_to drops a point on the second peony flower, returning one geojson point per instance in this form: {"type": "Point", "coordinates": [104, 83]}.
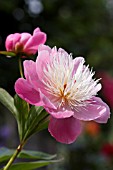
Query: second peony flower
{"type": "Point", "coordinates": [65, 87]}
{"type": "Point", "coordinates": [25, 43]}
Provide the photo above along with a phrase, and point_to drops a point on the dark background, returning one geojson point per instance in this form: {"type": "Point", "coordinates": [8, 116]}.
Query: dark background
{"type": "Point", "coordinates": [83, 28]}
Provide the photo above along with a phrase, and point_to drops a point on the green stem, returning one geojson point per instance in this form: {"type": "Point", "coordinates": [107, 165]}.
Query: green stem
{"type": "Point", "coordinates": [14, 156]}
{"type": "Point", "coordinates": [20, 67]}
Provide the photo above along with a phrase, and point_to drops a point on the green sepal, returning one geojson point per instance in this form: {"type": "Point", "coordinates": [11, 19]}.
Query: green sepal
{"type": "Point", "coordinates": [7, 100]}
{"type": "Point", "coordinates": [8, 53]}
{"type": "Point", "coordinates": [19, 54]}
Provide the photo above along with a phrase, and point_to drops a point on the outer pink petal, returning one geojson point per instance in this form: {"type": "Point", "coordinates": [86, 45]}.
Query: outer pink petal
{"type": "Point", "coordinates": [24, 38]}
{"type": "Point", "coordinates": [63, 51]}
{"type": "Point", "coordinates": [27, 92]}
{"type": "Point", "coordinates": [37, 30]}
{"type": "Point", "coordinates": [42, 60]}
{"type": "Point", "coordinates": [92, 111]}
{"type": "Point", "coordinates": [76, 62]}
{"type": "Point", "coordinates": [65, 130]}
{"type": "Point", "coordinates": [29, 69]}
{"type": "Point", "coordinates": [41, 63]}
{"type": "Point", "coordinates": [104, 118]}
{"type": "Point", "coordinates": [30, 73]}
{"type": "Point", "coordinates": [33, 80]}
{"type": "Point", "coordinates": [44, 47]}
{"type": "Point", "coordinates": [46, 102]}
{"type": "Point", "coordinates": [33, 43]}
{"type": "Point", "coordinates": [60, 113]}
{"type": "Point", "coordinates": [107, 84]}
{"type": "Point", "coordinates": [16, 38]}
{"type": "Point", "coordinates": [11, 41]}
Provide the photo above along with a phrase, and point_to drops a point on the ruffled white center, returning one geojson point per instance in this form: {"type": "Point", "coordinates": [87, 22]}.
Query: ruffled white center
{"type": "Point", "coordinates": [68, 83]}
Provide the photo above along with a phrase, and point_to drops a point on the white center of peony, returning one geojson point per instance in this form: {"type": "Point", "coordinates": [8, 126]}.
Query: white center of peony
{"type": "Point", "coordinates": [67, 84]}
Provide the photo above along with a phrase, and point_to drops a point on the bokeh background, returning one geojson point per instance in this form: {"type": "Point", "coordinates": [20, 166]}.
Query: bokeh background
{"type": "Point", "coordinates": [83, 28]}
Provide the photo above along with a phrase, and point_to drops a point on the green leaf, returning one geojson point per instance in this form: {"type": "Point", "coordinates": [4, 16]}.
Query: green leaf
{"type": "Point", "coordinates": [34, 112]}
{"type": "Point", "coordinates": [7, 100]}
{"type": "Point", "coordinates": [29, 121]}
{"type": "Point", "coordinates": [42, 125]}
{"type": "Point", "coordinates": [21, 105]}
{"type": "Point", "coordinates": [6, 153]}
{"type": "Point", "coordinates": [36, 121]}
{"type": "Point", "coordinates": [32, 165]}
{"type": "Point", "coordinates": [35, 155]}
{"type": "Point", "coordinates": [8, 53]}
{"type": "Point", "coordinates": [23, 109]}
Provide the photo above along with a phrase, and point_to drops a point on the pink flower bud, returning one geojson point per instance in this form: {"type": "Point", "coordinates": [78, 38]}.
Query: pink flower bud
{"type": "Point", "coordinates": [25, 42]}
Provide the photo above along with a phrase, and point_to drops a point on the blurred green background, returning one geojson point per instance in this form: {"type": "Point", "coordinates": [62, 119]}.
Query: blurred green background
{"type": "Point", "coordinates": [83, 28]}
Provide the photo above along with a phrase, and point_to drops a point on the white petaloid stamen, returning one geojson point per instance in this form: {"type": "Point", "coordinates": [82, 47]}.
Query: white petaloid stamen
{"type": "Point", "coordinates": [66, 87]}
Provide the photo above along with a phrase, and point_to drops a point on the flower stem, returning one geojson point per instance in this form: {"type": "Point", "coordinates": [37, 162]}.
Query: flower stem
{"type": "Point", "coordinates": [14, 156]}
{"type": "Point", "coordinates": [20, 67]}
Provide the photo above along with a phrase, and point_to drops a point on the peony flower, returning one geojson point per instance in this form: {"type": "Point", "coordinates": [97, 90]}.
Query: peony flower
{"type": "Point", "coordinates": [107, 150]}
{"type": "Point", "coordinates": [66, 89]}
{"type": "Point", "coordinates": [24, 42]}
{"type": "Point", "coordinates": [107, 90]}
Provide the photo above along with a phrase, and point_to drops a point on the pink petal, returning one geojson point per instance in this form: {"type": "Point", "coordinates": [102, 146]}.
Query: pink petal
{"type": "Point", "coordinates": [30, 73]}
{"type": "Point", "coordinates": [77, 61]}
{"type": "Point", "coordinates": [60, 113]}
{"type": "Point", "coordinates": [25, 37]}
{"type": "Point", "coordinates": [33, 80]}
{"type": "Point", "coordinates": [104, 118]}
{"type": "Point", "coordinates": [65, 130]}
{"type": "Point", "coordinates": [11, 41]}
{"type": "Point", "coordinates": [42, 60]}
{"type": "Point", "coordinates": [27, 92]}
{"type": "Point", "coordinates": [37, 30]}
{"type": "Point", "coordinates": [41, 63]}
{"type": "Point", "coordinates": [16, 38]}
{"type": "Point", "coordinates": [107, 84]}
{"type": "Point", "coordinates": [46, 102]}
{"type": "Point", "coordinates": [32, 44]}
{"type": "Point", "coordinates": [92, 111]}
{"type": "Point", "coordinates": [44, 47]}
{"type": "Point", "coordinates": [54, 51]}
{"type": "Point", "coordinates": [63, 51]}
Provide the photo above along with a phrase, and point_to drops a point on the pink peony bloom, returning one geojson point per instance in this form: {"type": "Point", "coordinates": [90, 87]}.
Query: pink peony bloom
{"type": "Point", "coordinates": [65, 88]}
{"type": "Point", "coordinates": [107, 90]}
{"type": "Point", "coordinates": [107, 150]}
{"type": "Point", "coordinates": [25, 42]}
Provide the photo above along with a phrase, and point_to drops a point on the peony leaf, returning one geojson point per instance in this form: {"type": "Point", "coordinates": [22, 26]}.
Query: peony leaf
{"type": "Point", "coordinates": [22, 113]}
{"type": "Point", "coordinates": [29, 120]}
{"type": "Point", "coordinates": [6, 153]}
{"type": "Point", "coordinates": [31, 165]}
{"type": "Point", "coordinates": [36, 121]}
{"type": "Point", "coordinates": [7, 100]}
{"type": "Point", "coordinates": [21, 105]}
{"type": "Point", "coordinates": [35, 155]}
